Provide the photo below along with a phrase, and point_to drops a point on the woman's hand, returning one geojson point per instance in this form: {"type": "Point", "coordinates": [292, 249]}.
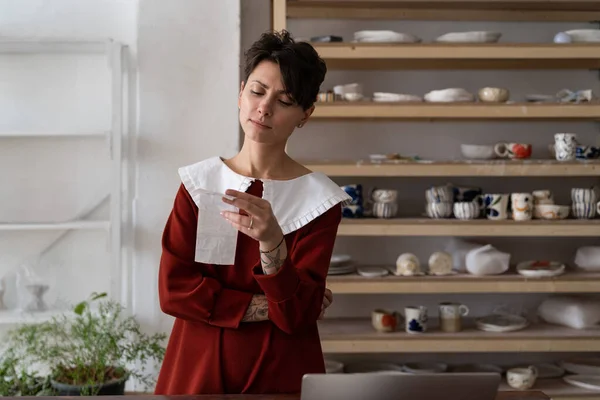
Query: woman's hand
{"type": "Point", "coordinates": [327, 300]}
{"type": "Point", "coordinates": [260, 223]}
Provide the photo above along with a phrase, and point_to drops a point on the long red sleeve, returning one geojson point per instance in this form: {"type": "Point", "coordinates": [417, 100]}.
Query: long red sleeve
{"type": "Point", "coordinates": [187, 289]}
{"type": "Point", "coordinates": [295, 292]}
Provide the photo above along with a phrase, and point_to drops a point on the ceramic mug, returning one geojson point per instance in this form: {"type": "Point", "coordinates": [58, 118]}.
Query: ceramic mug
{"type": "Point", "coordinates": [565, 146]}
{"type": "Point", "coordinates": [585, 210]}
{"type": "Point", "coordinates": [466, 210]}
{"type": "Point", "coordinates": [587, 152]}
{"type": "Point", "coordinates": [522, 206]}
{"type": "Point", "coordinates": [451, 315]}
{"type": "Point", "coordinates": [385, 210]}
{"type": "Point", "coordinates": [496, 206]}
{"type": "Point", "coordinates": [440, 194]}
{"type": "Point", "coordinates": [415, 319]}
{"type": "Point", "coordinates": [542, 197]}
{"type": "Point", "coordinates": [585, 195]}
{"type": "Point", "coordinates": [385, 320]}
{"type": "Point", "coordinates": [466, 193]}
{"type": "Point", "coordinates": [513, 150]}
{"type": "Point", "coordinates": [522, 378]}
{"type": "Point", "coordinates": [439, 210]}
{"type": "Point", "coordinates": [384, 195]}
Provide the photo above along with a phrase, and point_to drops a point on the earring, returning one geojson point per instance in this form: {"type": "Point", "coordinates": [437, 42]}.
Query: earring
{"type": "Point", "coordinates": [300, 125]}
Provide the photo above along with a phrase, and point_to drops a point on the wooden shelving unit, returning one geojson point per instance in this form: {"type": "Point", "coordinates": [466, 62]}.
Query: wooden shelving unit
{"type": "Point", "coordinates": [468, 228]}
{"type": "Point", "coordinates": [372, 56]}
{"type": "Point", "coordinates": [364, 168]}
{"type": "Point", "coordinates": [356, 335]}
{"type": "Point", "coordinates": [571, 282]}
{"type": "Point", "coordinates": [456, 111]}
{"type": "Point", "coordinates": [469, 10]}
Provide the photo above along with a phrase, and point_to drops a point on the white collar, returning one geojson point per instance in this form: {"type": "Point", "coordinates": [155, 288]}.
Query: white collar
{"type": "Point", "coordinates": [295, 202]}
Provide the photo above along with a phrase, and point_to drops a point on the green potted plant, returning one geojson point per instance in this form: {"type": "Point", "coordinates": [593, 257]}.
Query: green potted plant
{"type": "Point", "coordinates": [92, 351]}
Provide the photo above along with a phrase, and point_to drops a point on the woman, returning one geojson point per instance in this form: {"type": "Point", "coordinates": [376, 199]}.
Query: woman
{"type": "Point", "coordinates": [247, 284]}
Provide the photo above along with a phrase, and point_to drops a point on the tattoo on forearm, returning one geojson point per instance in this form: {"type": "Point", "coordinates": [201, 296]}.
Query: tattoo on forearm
{"type": "Point", "coordinates": [258, 310]}
{"type": "Point", "coordinates": [271, 262]}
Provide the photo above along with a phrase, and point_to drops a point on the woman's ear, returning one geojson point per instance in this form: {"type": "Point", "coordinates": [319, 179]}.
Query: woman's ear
{"type": "Point", "coordinates": [307, 114]}
{"type": "Point", "coordinates": [240, 95]}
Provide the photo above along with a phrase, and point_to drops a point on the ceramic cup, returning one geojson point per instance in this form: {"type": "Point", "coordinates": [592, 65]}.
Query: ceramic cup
{"type": "Point", "coordinates": [542, 197]}
{"type": "Point", "coordinates": [408, 264]}
{"type": "Point", "coordinates": [522, 378]}
{"type": "Point", "coordinates": [496, 206]}
{"type": "Point", "coordinates": [415, 319]}
{"type": "Point", "coordinates": [385, 210]}
{"type": "Point", "coordinates": [440, 194]}
{"type": "Point", "coordinates": [585, 210]}
{"type": "Point", "coordinates": [466, 193]}
{"type": "Point", "coordinates": [439, 210]}
{"type": "Point", "coordinates": [565, 146]}
{"type": "Point", "coordinates": [466, 210]}
{"type": "Point", "coordinates": [587, 152]}
{"type": "Point", "coordinates": [585, 195]}
{"type": "Point", "coordinates": [451, 316]}
{"type": "Point", "coordinates": [385, 320]}
{"type": "Point", "coordinates": [522, 206]}
{"type": "Point", "coordinates": [513, 150]}
{"type": "Point", "coordinates": [384, 196]}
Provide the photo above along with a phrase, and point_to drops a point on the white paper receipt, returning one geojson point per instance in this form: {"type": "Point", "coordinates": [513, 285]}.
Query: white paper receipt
{"type": "Point", "coordinates": [216, 238]}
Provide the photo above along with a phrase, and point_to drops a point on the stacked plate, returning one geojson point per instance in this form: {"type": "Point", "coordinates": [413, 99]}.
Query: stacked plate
{"type": "Point", "coordinates": [502, 323]}
{"type": "Point", "coordinates": [341, 264]}
{"type": "Point", "coordinates": [540, 269]}
{"type": "Point", "coordinates": [385, 36]}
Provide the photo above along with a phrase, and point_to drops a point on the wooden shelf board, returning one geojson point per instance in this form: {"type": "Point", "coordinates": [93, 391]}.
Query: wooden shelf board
{"type": "Point", "coordinates": [477, 10]}
{"type": "Point", "coordinates": [466, 228]}
{"type": "Point", "coordinates": [459, 56]}
{"type": "Point", "coordinates": [354, 335]}
{"type": "Point", "coordinates": [456, 111]}
{"type": "Point", "coordinates": [571, 282]}
{"type": "Point", "coordinates": [82, 225]}
{"type": "Point", "coordinates": [501, 168]}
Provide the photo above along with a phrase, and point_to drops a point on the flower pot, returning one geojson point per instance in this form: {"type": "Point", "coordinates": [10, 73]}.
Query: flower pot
{"type": "Point", "coordinates": [112, 388]}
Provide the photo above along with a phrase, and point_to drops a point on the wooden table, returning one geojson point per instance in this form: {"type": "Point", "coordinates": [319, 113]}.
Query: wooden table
{"type": "Point", "coordinates": [530, 395]}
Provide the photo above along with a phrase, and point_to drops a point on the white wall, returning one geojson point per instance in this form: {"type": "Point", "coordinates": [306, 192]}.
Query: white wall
{"type": "Point", "coordinates": [188, 66]}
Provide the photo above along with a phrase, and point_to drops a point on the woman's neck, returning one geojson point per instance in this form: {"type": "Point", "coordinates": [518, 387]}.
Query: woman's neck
{"type": "Point", "coordinates": [262, 162]}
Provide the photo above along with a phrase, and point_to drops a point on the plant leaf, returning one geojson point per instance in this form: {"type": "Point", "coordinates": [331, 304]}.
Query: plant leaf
{"type": "Point", "coordinates": [80, 308]}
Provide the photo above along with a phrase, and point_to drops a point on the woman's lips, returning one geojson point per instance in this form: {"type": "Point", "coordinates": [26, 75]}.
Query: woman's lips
{"type": "Point", "coordinates": [259, 124]}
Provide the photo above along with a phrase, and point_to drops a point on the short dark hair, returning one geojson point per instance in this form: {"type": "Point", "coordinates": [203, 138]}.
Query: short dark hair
{"type": "Point", "coordinates": [302, 70]}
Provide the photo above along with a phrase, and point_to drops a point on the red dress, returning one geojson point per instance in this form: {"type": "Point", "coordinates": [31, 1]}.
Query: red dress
{"type": "Point", "coordinates": [210, 349]}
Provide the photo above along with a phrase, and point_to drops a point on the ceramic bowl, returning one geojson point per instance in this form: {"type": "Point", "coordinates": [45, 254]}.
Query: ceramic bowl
{"type": "Point", "coordinates": [550, 211]}
{"type": "Point", "coordinates": [449, 95]}
{"type": "Point", "coordinates": [477, 152]}
{"type": "Point", "coordinates": [466, 210]}
{"type": "Point", "coordinates": [493, 95]}
{"type": "Point", "coordinates": [385, 195]}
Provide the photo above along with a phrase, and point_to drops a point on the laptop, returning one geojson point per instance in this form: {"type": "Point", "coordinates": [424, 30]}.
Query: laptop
{"type": "Point", "coordinates": [399, 386]}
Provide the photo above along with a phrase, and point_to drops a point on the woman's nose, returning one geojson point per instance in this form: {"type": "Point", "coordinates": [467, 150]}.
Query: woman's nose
{"type": "Point", "coordinates": [264, 108]}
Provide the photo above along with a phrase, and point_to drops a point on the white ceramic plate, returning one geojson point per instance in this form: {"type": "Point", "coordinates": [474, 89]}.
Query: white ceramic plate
{"type": "Point", "coordinates": [582, 365]}
{"type": "Point", "coordinates": [590, 382]}
{"type": "Point", "coordinates": [540, 98]}
{"type": "Point", "coordinates": [470, 37]}
{"type": "Point", "coordinates": [372, 272]}
{"type": "Point", "coordinates": [385, 36]}
{"type": "Point", "coordinates": [539, 269]}
{"type": "Point", "coordinates": [425, 368]}
{"type": "Point", "coordinates": [501, 323]}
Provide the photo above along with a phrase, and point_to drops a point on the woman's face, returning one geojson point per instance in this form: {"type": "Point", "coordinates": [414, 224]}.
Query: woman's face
{"type": "Point", "coordinates": [267, 114]}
